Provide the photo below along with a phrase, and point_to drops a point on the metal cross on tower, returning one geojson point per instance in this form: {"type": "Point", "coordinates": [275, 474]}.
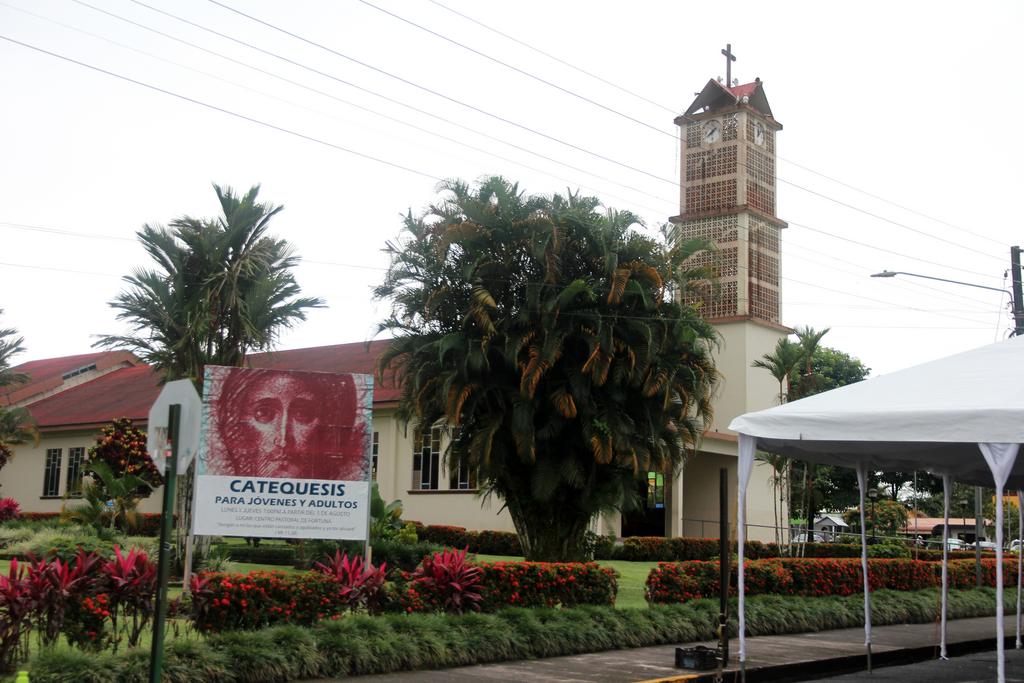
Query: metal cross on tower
{"type": "Point", "coordinates": [729, 59]}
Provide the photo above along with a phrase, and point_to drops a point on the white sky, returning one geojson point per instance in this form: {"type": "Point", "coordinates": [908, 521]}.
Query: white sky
{"type": "Point", "coordinates": [910, 101]}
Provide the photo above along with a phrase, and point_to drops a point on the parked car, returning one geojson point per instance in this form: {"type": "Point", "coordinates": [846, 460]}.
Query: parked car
{"type": "Point", "coordinates": [951, 544]}
{"type": "Point", "coordinates": [1014, 546]}
{"type": "Point", "coordinates": [817, 538]}
{"type": "Point", "coordinates": [984, 545]}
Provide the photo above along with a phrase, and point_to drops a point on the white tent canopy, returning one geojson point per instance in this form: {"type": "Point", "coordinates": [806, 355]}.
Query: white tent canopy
{"type": "Point", "coordinates": [961, 416]}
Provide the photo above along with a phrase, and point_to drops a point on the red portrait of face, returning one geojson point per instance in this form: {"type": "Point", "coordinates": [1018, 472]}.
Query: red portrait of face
{"type": "Point", "coordinates": [301, 425]}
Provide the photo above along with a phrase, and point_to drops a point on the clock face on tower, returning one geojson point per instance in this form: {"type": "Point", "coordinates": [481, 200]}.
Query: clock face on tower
{"type": "Point", "coordinates": [712, 132]}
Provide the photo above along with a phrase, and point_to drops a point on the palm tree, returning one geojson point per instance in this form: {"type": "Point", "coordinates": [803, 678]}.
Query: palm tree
{"type": "Point", "coordinates": [782, 363]}
{"type": "Point", "coordinates": [10, 346]}
{"type": "Point", "coordinates": [222, 288]}
{"type": "Point", "coordinates": [109, 502]}
{"type": "Point", "coordinates": [809, 339]}
{"type": "Point", "coordinates": [16, 425]}
{"type": "Point", "coordinates": [540, 332]}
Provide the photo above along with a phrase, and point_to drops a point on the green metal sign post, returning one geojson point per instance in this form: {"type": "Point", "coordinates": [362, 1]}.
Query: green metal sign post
{"type": "Point", "coordinates": [156, 658]}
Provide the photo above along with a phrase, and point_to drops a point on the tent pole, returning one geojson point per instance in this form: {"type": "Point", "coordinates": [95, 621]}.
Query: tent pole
{"type": "Point", "coordinates": [947, 492]}
{"type": "Point", "coordinates": [1000, 458]}
{"type": "Point", "coordinates": [862, 484]}
{"type": "Point", "coordinates": [1020, 555]}
{"type": "Point", "coordinates": [744, 465]}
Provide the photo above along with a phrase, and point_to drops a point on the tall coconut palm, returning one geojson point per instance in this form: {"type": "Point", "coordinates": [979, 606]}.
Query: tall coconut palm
{"type": "Point", "coordinates": [539, 330]}
{"type": "Point", "coordinates": [782, 363]}
{"type": "Point", "coordinates": [222, 288]}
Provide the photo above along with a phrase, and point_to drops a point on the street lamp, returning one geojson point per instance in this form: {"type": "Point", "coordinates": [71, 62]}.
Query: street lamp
{"type": "Point", "coordinates": [894, 273]}
{"type": "Point", "coordinates": [1017, 302]}
{"type": "Point", "coordinates": [873, 496]}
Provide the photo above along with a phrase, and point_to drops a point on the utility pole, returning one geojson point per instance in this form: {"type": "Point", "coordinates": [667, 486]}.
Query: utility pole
{"type": "Point", "coordinates": [1018, 298]}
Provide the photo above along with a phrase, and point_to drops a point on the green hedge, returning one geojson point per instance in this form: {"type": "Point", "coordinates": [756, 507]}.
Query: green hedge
{"type": "Point", "coordinates": [280, 555]}
{"type": "Point", "coordinates": [482, 542]}
{"type": "Point", "coordinates": [360, 645]}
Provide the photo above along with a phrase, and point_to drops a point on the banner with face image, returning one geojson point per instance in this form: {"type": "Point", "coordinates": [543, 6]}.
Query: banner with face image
{"type": "Point", "coordinates": [284, 454]}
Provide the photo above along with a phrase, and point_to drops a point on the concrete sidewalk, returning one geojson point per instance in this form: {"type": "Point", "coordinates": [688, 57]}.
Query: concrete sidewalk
{"type": "Point", "coordinates": [769, 658]}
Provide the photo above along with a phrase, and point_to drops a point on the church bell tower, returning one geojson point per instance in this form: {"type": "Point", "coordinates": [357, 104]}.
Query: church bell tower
{"type": "Point", "coordinates": [727, 196]}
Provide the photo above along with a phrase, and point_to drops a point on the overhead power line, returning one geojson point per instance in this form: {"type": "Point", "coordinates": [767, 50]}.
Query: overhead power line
{"type": "Point", "coordinates": [535, 77]}
{"type": "Point", "coordinates": [413, 84]}
{"type": "Point", "coordinates": [229, 112]}
{"type": "Point", "coordinates": [369, 66]}
{"type": "Point", "coordinates": [666, 108]}
{"type": "Point", "coordinates": [348, 102]}
{"type": "Point", "coordinates": [890, 202]}
{"type": "Point", "coordinates": [890, 221]}
{"type": "Point", "coordinates": [554, 58]}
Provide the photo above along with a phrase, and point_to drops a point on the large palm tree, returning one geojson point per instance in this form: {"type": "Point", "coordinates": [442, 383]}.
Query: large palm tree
{"type": "Point", "coordinates": [222, 288]}
{"type": "Point", "coordinates": [540, 331]}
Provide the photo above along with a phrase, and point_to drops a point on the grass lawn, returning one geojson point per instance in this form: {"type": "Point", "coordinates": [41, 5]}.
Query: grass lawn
{"type": "Point", "coordinates": [632, 576]}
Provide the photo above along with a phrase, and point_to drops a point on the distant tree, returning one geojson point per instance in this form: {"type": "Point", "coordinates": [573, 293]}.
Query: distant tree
{"type": "Point", "coordinates": [831, 369]}
{"type": "Point", "coordinates": [543, 333]}
{"type": "Point", "coordinates": [11, 344]}
{"type": "Point", "coordinates": [16, 424]}
{"type": "Point", "coordinates": [885, 517]}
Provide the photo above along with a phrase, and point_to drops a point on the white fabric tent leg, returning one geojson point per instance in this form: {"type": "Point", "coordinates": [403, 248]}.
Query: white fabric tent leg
{"type": "Point", "coordinates": [947, 492]}
{"type": "Point", "coordinates": [1000, 458]}
{"type": "Point", "coordinates": [862, 485]}
{"type": "Point", "coordinates": [1020, 556]}
{"type": "Point", "coordinates": [744, 466]}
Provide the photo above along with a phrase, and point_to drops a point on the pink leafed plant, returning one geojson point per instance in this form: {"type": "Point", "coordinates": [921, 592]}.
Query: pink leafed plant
{"type": "Point", "coordinates": [15, 616]}
{"type": "Point", "coordinates": [131, 580]}
{"type": "Point", "coordinates": [450, 580]}
{"type": "Point", "coordinates": [360, 584]}
{"type": "Point", "coordinates": [9, 509]}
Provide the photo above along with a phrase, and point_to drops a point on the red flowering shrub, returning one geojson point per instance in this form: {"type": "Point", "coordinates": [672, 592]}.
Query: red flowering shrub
{"type": "Point", "coordinates": [546, 584]}
{"type": "Point", "coordinates": [85, 621]}
{"type": "Point", "coordinates": [247, 601]}
{"type": "Point", "coordinates": [962, 572]}
{"type": "Point", "coordinates": [123, 448]}
{"type": "Point", "coordinates": [9, 509]}
{"type": "Point", "coordinates": [359, 584]}
{"type": "Point", "coordinates": [678, 581]}
{"type": "Point", "coordinates": [447, 582]}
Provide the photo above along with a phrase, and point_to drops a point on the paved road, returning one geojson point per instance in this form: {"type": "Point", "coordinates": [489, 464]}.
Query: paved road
{"type": "Point", "coordinates": [966, 669]}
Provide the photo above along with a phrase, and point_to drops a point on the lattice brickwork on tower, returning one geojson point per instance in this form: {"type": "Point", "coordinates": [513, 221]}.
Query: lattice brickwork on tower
{"type": "Point", "coordinates": [714, 196]}
{"type": "Point", "coordinates": [722, 231]}
{"type": "Point", "coordinates": [764, 269]}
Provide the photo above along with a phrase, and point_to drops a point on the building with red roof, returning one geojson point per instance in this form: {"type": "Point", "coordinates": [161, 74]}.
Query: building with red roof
{"type": "Point", "coordinates": [73, 397]}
